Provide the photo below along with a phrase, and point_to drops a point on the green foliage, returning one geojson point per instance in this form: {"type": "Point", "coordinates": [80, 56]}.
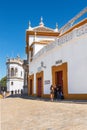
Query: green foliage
{"type": "Point", "coordinates": [3, 81]}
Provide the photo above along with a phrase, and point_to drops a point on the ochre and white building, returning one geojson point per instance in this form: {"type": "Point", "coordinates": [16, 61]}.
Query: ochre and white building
{"type": "Point", "coordinates": [15, 75]}
{"type": "Point", "coordinates": [58, 57]}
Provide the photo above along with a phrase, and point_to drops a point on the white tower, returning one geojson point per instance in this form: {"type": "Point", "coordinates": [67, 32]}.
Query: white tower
{"type": "Point", "coordinates": [15, 75]}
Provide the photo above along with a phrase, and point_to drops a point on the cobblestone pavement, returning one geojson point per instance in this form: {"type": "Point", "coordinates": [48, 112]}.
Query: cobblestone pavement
{"type": "Point", "coordinates": [27, 114]}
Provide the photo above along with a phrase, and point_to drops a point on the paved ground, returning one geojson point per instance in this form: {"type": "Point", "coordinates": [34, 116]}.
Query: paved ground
{"type": "Point", "coordinates": [27, 114]}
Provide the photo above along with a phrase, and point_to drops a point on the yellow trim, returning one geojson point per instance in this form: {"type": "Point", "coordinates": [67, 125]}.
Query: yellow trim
{"type": "Point", "coordinates": [77, 96]}
{"type": "Point", "coordinates": [42, 42]}
{"type": "Point", "coordinates": [75, 26]}
{"type": "Point", "coordinates": [46, 96]}
{"type": "Point", "coordinates": [28, 83]}
{"type": "Point", "coordinates": [63, 68]}
{"type": "Point", "coordinates": [34, 94]}
{"type": "Point", "coordinates": [50, 34]}
{"type": "Point", "coordinates": [27, 49]}
{"type": "Point", "coordinates": [1, 96]}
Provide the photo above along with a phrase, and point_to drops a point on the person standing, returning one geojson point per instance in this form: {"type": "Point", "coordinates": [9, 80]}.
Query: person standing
{"type": "Point", "coordinates": [51, 92]}
{"type": "Point", "coordinates": [4, 94]}
{"type": "Point", "coordinates": [60, 92]}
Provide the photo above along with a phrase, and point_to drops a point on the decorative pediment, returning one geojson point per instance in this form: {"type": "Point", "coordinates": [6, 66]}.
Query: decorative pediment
{"type": "Point", "coordinates": [42, 29]}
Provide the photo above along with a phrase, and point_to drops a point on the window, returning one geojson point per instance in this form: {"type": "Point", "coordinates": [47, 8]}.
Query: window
{"type": "Point", "coordinates": [12, 71]}
{"type": "Point", "coordinates": [11, 83]}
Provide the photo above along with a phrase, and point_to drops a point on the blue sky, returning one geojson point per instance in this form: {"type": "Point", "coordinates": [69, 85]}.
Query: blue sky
{"type": "Point", "coordinates": [14, 17]}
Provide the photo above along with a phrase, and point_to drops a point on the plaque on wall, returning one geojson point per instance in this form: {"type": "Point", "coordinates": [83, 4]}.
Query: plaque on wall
{"type": "Point", "coordinates": [47, 81]}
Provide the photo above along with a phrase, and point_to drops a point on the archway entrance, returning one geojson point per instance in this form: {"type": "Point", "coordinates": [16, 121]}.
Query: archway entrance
{"type": "Point", "coordinates": [59, 77]}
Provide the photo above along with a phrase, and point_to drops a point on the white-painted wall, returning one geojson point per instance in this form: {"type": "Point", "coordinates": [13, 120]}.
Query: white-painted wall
{"type": "Point", "coordinates": [74, 52]}
{"type": "Point", "coordinates": [17, 84]}
{"type": "Point", "coordinates": [38, 47]}
{"type": "Point", "coordinates": [18, 80]}
{"type": "Point", "coordinates": [39, 38]}
{"type": "Point", "coordinates": [20, 69]}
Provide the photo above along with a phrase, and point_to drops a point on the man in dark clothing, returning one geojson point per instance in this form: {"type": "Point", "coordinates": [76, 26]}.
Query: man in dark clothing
{"type": "Point", "coordinates": [55, 92]}
{"type": "Point", "coordinates": [60, 92]}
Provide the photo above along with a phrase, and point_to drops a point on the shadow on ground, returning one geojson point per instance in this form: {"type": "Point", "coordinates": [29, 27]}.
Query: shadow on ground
{"type": "Point", "coordinates": [47, 99]}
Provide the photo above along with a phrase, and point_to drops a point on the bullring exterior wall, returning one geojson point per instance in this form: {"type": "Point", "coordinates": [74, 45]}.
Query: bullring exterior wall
{"type": "Point", "coordinates": [71, 49]}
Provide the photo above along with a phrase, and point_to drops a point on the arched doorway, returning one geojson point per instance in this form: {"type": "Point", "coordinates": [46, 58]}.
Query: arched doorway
{"type": "Point", "coordinates": [59, 77]}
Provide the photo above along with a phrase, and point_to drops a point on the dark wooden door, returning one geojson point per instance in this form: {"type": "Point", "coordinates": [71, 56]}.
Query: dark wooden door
{"type": "Point", "coordinates": [30, 86]}
{"type": "Point", "coordinates": [39, 87]}
{"type": "Point", "coordinates": [59, 79]}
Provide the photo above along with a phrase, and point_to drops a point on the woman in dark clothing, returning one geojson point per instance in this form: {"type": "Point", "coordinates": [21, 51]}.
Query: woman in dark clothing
{"type": "Point", "coordinates": [60, 92]}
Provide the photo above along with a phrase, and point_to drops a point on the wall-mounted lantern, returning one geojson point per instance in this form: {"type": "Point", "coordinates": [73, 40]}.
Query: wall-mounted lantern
{"type": "Point", "coordinates": [42, 64]}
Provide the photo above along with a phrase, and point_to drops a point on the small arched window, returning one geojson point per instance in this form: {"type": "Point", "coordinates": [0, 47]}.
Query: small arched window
{"type": "Point", "coordinates": [12, 71]}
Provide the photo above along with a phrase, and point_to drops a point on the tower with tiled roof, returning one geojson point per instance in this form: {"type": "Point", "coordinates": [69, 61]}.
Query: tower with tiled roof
{"type": "Point", "coordinates": [38, 37]}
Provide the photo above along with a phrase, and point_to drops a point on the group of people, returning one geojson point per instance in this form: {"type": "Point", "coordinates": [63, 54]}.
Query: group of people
{"type": "Point", "coordinates": [56, 92]}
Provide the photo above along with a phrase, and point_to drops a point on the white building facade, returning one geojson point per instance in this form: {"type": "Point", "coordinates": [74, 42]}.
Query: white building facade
{"type": "Point", "coordinates": [15, 75]}
{"type": "Point", "coordinates": [63, 61]}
